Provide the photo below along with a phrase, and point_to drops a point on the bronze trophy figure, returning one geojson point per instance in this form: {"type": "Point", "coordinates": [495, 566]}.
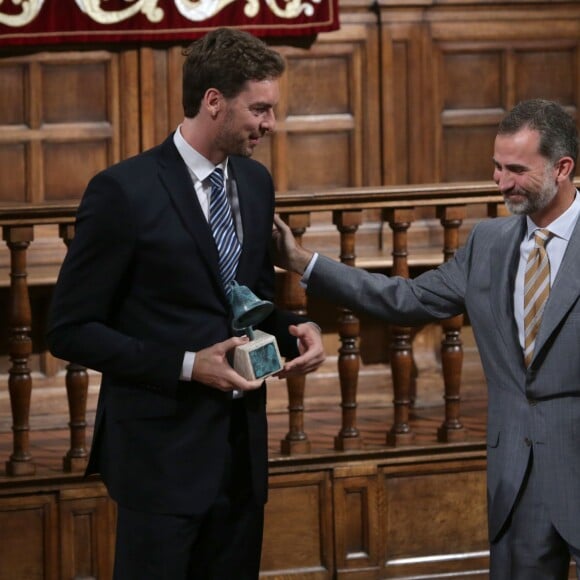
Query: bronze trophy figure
{"type": "Point", "coordinates": [260, 357]}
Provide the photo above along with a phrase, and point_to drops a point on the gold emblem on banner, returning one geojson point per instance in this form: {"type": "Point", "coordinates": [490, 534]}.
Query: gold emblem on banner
{"type": "Point", "coordinates": [292, 8]}
{"type": "Point", "coordinates": [93, 9]}
{"type": "Point", "coordinates": [30, 10]}
{"type": "Point", "coordinates": [199, 10]}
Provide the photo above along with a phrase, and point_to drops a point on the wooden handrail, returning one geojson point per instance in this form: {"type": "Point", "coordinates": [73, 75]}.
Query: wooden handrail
{"type": "Point", "coordinates": [17, 214]}
{"type": "Point", "coordinates": [356, 198]}
{"type": "Point", "coordinates": [379, 197]}
{"type": "Point", "coordinates": [385, 197]}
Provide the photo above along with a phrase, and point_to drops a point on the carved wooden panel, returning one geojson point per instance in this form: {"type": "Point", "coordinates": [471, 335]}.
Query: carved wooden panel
{"type": "Point", "coordinates": [404, 99]}
{"type": "Point", "coordinates": [448, 80]}
{"type": "Point", "coordinates": [59, 123]}
{"type": "Point", "coordinates": [159, 93]}
{"type": "Point", "coordinates": [483, 83]}
{"type": "Point", "coordinates": [298, 526]}
{"type": "Point", "coordinates": [357, 519]}
{"type": "Point", "coordinates": [483, 74]}
{"type": "Point", "coordinates": [87, 530]}
{"type": "Point", "coordinates": [407, 514]}
{"type": "Point", "coordinates": [327, 133]}
{"type": "Point", "coordinates": [28, 550]}
{"type": "Point", "coordinates": [436, 518]}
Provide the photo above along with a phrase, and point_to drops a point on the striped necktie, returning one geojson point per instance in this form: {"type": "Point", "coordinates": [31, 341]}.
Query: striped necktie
{"type": "Point", "coordinates": [536, 290]}
{"type": "Point", "coordinates": [222, 226]}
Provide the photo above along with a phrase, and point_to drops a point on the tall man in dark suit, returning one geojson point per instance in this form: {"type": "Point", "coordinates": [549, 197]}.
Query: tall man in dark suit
{"type": "Point", "coordinates": [518, 278]}
{"type": "Point", "coordinates": [180, 437]}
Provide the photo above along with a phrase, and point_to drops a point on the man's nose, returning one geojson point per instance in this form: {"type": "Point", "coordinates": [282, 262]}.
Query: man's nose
{"type": "Point", "coordinates": [504, 180]}
{"type": "Point", "coordinates": [269, 121]}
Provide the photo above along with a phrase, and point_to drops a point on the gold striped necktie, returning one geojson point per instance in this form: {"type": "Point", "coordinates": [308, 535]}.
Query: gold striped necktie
{"type": "Point", "coordinates": [536, 290]}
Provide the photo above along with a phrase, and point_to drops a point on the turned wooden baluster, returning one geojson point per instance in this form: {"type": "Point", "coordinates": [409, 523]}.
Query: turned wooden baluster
{"type": "Point", "coordinates": [401, 344]}
{"type": "Point", "coordinates": [77, 388]}
{"type": "Point", "coordinates": [347, 223]}
{"type": "Point", "coordinates": [18, 239]}
{"type": "Point", "coordinates": [451, 346]}
{"type": "Point", "coordinates": [293, 297]}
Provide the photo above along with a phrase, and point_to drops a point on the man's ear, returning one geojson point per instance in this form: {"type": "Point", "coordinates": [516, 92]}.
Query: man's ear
{"type": "Point", "coordinates": [564, 168]}
{"type": "Point", "coordinates": [213, 102]}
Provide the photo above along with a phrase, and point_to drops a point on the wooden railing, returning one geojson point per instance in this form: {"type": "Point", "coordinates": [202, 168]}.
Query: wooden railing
{"type": "Point", "coordinates": [396, 206]}
{"type": "Point", "coordinates": [18, 224]}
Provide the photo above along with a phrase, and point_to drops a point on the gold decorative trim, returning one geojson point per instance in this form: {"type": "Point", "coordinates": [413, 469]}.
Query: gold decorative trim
{"type": "Point", "coordinates": [30, 10]}
{"type": "Point", "coordinates": [93, 9]}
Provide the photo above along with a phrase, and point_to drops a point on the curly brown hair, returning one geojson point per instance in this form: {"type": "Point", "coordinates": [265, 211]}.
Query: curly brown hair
{"type": "Point", "coordinates": [225, 59]}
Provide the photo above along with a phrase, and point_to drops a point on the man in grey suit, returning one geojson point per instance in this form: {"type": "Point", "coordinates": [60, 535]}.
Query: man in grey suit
{"type": "Point", "coordinates": [531, 357]}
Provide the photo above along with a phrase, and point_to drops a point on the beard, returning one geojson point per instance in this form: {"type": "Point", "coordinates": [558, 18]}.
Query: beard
{"type": "Point", "coordinates": [234, 141]}
{"type": "Point", "coordinates": [533, 201]}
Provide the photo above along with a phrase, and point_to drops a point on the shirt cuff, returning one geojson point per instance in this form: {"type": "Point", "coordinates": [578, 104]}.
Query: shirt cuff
{"type": "Point", "coordinates": [187, 366]}
{"type": "Point", "coordinates": [306, 276]}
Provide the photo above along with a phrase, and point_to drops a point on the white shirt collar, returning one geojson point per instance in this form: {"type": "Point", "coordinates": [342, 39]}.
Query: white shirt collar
{"type": "Point", "coordinates": [562, 226]}
{"type": "Point", "coordinates": [200, 167]}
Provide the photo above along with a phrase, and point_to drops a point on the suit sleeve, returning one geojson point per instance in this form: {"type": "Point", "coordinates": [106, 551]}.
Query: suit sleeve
{"type": "Point", "coordinates": [89, 291]}
{"type": "Point", "coordinates": [436, 294]}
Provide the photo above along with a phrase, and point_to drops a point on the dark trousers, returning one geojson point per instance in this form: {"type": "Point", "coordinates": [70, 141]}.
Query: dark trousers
{"type": "Point", "coordinates": [222, 544]}
{"type": "Point", "coordinates": [530, 547]}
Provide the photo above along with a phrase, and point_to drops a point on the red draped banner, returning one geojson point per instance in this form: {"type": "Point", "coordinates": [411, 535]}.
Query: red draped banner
{"type": "Point", "coordinates": [76, 21]}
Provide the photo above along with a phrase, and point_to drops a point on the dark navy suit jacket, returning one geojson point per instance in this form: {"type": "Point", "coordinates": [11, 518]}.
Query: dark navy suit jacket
{"type": "Point", "coordinates": [140, 286]}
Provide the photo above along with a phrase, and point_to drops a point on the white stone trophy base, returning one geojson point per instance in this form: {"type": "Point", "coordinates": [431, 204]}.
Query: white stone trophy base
{"type": "Point", "coordinates": [258, 358]}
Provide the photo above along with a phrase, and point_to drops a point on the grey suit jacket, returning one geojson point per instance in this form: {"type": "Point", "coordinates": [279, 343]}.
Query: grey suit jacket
{"type": "Point", "coordinates": [535, 408]}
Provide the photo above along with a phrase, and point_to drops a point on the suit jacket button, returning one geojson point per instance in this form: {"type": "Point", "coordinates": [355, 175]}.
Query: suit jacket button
{"type": "Point", "coordinates": [527, 442]}
{"type": "Point", "coordinates": [532, 402]}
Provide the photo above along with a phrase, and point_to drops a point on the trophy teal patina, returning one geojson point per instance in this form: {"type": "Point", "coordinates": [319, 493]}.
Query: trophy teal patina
{"type": "Point", "coordinates": [259, 358]}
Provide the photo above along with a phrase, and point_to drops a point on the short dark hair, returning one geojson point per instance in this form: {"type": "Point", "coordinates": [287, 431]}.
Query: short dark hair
{"type": "Point", "coordinates": [557, 129]}
{"type": "Point", "coordinates": [225, 59]}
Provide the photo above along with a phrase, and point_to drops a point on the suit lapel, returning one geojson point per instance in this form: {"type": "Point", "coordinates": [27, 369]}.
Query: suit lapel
{"type": "Point", "coordinates": [175, 176]}
{"type": "Point", "coordinates": [564, 293]}
{"type": "Point", "coordinates": [247, 213]}
{"type": "Point", "coordinates": [503, 273]}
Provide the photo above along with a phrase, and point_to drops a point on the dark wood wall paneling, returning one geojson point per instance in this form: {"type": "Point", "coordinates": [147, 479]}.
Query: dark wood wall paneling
{"type": "Point", "coordinates": [405, 92]}
{"type": "Point", "coordinates": [400, 94]}
{"type": "Point", "coordinates": [387, 518]}
{"type": "Point", "coordinates": [452, 69]}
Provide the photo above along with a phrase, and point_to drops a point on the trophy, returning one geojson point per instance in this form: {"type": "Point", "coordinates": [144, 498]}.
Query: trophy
{"type": "Point", "coordinates": [260, 357]}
